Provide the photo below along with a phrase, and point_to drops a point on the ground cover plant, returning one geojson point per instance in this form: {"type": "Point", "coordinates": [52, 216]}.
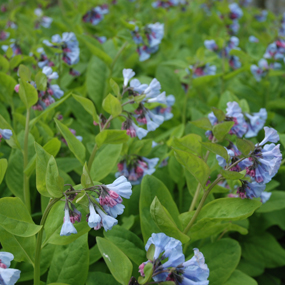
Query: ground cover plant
{"type": "Point", "coordinates": [141, 143]}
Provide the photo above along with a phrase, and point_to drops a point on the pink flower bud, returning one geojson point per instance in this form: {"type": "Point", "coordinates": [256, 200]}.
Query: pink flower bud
{"type": "Point", "coordinates": [17, 88]}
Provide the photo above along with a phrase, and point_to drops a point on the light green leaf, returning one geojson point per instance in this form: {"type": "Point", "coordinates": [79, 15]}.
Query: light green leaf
{"type": "Point", "coordinates": [275, 202]}
{"type": "Point", "coordinates": [117, 262]}
{"type": "Point", "coordinates": [28, 94]}
{"type": "Point", "coordinates": [220, 115]}
{"type": "Point", "coordinates": [150, 188]}
{"type": "Point", "coordinates": [217, 149]}
{"type": "Point", "coordinates": [222, 257]}
{"type": "Point", "coordinates": [24, 73]}
{"type": "Point", "coordinates": [13, 141]}
{"type": "Point", "coordinates": [73, 260]}
{"type": "Point", "coordinates": [140, 147]}
{"type": "Point", "coordinates": [238, 278]}
{"type": "Point", "coordinates": [3, 167]}
{"type": "Point", "coordinates": [191, 142]}
{"type": "Point", "coordinates": [54, 183]}
{"type": "Point", "coordinates": [245, 146]}
{"type": "Point", "coordinates": [128, 242]}
{"type": "Point", "coordinates": [4, 64]}
{"type": "Point", "coordinates": [76, 146]}
{"type": "Point", "coordinates": [111, 137]}
{"type": "Point", "coordinates": [88, 106]}
{"type": "Point", "coordinates": [112, 105]}
{"type": "Point", "coordinates": [110, 155]}
{"type": "Point", "coordinates": [222, 129]}
{"type": "Point", "coordinates": [203, 123]}
{"type": "Point", "coordinates": [115, 87]}
{"type": "Point", "coordinates": [41, 81]}
{"type": "Point", "coordinates": [164, 221]}
{"type": "Point", "coordinates": [15, 219]}
{"type": "Point", "coordinates": [195, 165]}
{"type": "Point", "coordinates": [232, 175]}
{"type": "Point", "coordinates": [86, 180]}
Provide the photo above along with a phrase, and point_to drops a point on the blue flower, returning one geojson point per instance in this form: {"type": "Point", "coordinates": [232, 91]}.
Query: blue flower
{"type": "Point", "coordinates": [67, 228]}
{"type": "Point", "coordinates": [221, 161]}
{"type": "Point", "coordinates": [128, 74]}
{"type": "Point", "coordinates": [211, 45]}
{"type": "Point", "coordinates": [260, 70]}
{"type": "Point", "coordinates": [122, 187]}
{"type": "Point", "coordinates": [235, 113]}
{"type": "Point", "coordinates": [8, 276]}
{"type": "Point", "coordinates": [271, 135]}
{"type": "Point", "coordinates": [235, 11]}
{"type": "Point", "coordinates": [195, 270]}
{"type": "Point", "coordinates": [5, 134]}
{"type": "Point", "coordinates": [255, 122]}
{"type": "Point", "coordinates": [94, 219]}
{"type": "Point", "coordinates": [251, 190]}
{"type": "Point", "coordinates": [253, 39]}
{"type": "Point", "coordinates": [265, 196]}
{"type": "Point", "coordinates": [156, 34]}
{"type": "Point", "coordinates": [107, 221]}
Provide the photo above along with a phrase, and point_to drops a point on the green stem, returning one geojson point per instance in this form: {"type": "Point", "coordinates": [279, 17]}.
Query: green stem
{"type": "Point", "coordinates": [190, 224]}
{"type": "Point", "coordinates": [91, 159]}
{"type": "Point", "coordinates": [26, 160]}
{"type": "Point", "coordinates": [37, 270]}
{"type": "Point", "coordinates": [116, 57]}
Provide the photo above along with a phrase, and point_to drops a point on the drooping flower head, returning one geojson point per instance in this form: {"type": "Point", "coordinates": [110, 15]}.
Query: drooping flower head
{"type": "Point", "coordinates": [67, 228]}
{"type": "Point", "coordinates": [43, 21]}
{"type": "Point", "coordinates": [169, 262]}
{"type": "Point", "coordinates": [69, 45]}
{"type": "Point", "coordinates": [96, 15]}
{"type": "Point", "coordinates": [5, 134]}
{"type": "Point", "coordinates": [8, 276]}
{"type": "Point", "coordinates": [136, 167]}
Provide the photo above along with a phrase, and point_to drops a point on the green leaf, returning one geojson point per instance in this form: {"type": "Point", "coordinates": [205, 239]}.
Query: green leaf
{"type": "Point", "coordinates": [3, 167]}
{"type": "Point", "coordinates": [217, 149]}
{"type": "Point", "coordinates": [263, 249]}
{"type": "Point", "coordinates": [15, 61]}
{"type": "Point", "coordinates": [4, 64]}
{"type": "Point", "coordinates": [111, 137]}
{"type": "Point", "coordinates": [100, 278]}
{"type": "Point", "coordinates": [245, 146]}
{"type": "Point", "coordinates": [150, 188]}
{"type": "Point", "coordinates": [87, 105]}
{"type": "Point", "coordinates": [54, 183]}
{"type": "Point", "coordinates": [96, 81]}
{"type": "Point", "coordinates": [191, 142]}
{"type": "Point", "coordinates": [148, 271]}
{"type": "Point", "coordinates": [164, 221]}
{"type": "Point", "coordinates": [28, 94]}
{"type": "Point", "coordinates": [7, 85]}
{"type": "Point", "coordinates": [15, 219]}
{"type": "Point", "coordinates": [115, 87]}
{"type": "Point", "coordinates": [140, 147]}
{"type": "Point", "coordinates": [9, 52]}
{"type": "Point", "coordinates": [195, 165]}
{"type": "Point", "coordinates": [95, 48]}
{"type": "Point", "coordinates": [94, 254]}
{"type": "Point", "coordinates": [222, 129]}
{"type": "Point", "coordinates": [229, 209]}
{"type": "Point", "coordinates": [23, 248]}
{"type": "Point", "coordinates": [86, 180]}
{"type": "Point", "coordinates": [276, 202]}
{"type": "Point", "coordinates": [110, 155]}
{"type": "Point", "coordinates": [129, 243]}
{"type": "Point", "coordinates": [41, 81]}
{"type": "Point", "coordinates": [203, 123]}
{"type": "Point", "coordinates": [76, 146]}
{"type": "Point", "coordinates": [232, 175]}
{"type": "Point", "coordinates": [150, 252]}
{"type": "Point", "coordinates": [222, 257]}
{"type": "Point", "coordinates": [112, 105]}
{"type": "Point", "coordinates": [24, 73]}
{"type": "Point", "coordinates": [238, 278]}
{"type": "Point", "coordinates": [73, 260]}
{"type": "Point", "coordinates": [117, 262]}
{"type": "Point", "coordinates": [220, 115]}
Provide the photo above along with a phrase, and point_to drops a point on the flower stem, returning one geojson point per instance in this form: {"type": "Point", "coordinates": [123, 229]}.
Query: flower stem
{"type": "Point", "coordinates": [26, 160]}
{"type": "Point", "coordinates": [37, 269]}
{"type": "Point", "coordinates": [116, 57]}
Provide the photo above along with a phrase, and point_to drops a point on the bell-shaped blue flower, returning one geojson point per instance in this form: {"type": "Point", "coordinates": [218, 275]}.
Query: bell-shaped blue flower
{"type": "Point", "coordinates": [67, 228]}
{"type": "Point", "coordinates": [93, 218]}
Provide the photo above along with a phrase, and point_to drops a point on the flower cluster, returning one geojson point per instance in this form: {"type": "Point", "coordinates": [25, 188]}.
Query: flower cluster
{"type": "Point", "coordinates": [134, 168]}
{"type": "Point", "coordinates": [5, 134]}
{"type": "Point", "coordinates": [244, 123]}
{"type": "Point", "coordinates": [262, 16]}
{"type": "Point", "coordinates": [198, 71]}
{"type": "Point", "coordinates": [262, 163]}
{"type": "Point", "coordinates": [43, 60]}
{"type": "Point", "coordinates": [8, 276]}
{"type": "Point", "coordinates": [274, 52]}
{"type": "Point", "coordinates": [43, 21]}
{"type": "Point", "coordinates": [103, 209]}
{"type": "Point", "coordinates": [234, 15]}
{"type": "Point", "coordinates": [46, 98]}
{"type": "Point", "coordinates": [4, 35]}
{"type": "Point", "coordinates": [168, 262]}
{"type": "Point", "coordinates": [96, 15]}
{"type": "Point", "coordinates": [143, 115]}
{"type": "Point", "coordinates": [225, 52]}
{"type": "Point", "coordinates": [14, 46]}
{"type": "Point", "coordinates": [68, 44]}
{"type": "Point", "coordinates": [262, 69]}
{"type": "Point", "coordinates": [168, 4]}
{"type": "Point", "coordinates": [148, 40]}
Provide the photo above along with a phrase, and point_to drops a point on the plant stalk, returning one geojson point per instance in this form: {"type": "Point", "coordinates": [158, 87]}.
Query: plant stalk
{"type": "Point", "coordinates": [37, 269]}
{"type": "Point", "coordinates": [26, 160]}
